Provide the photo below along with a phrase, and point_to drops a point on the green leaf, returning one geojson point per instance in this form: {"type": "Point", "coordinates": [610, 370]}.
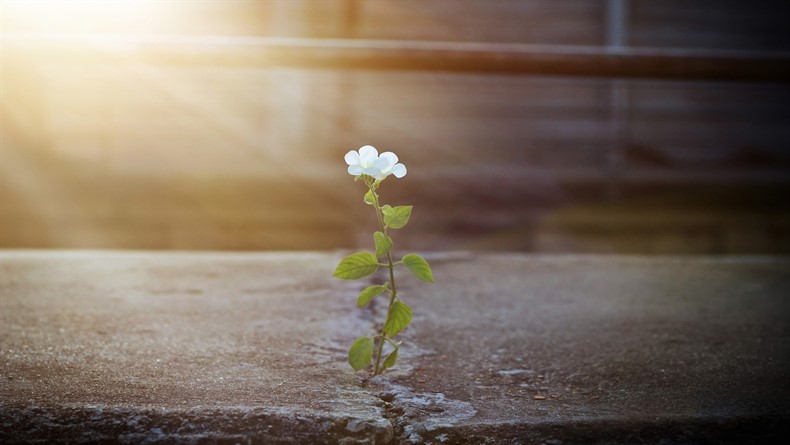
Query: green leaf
{"type": "Point", "coordinates": [389, 362]}
{"type": "Point", "coordinates": [361, 353]}
{"type": "Point", "coordinates": [383, 243]}
{"type": "Point", "coordinates": [356, 265]}
{"type": "Point", "coordinates": [398, 318]}
{"type": "Point", "coordinates": [418, 266]}
{"type": "Point", "coordinates": [386, 209]}
{"type": "Point", "coordinates": [398, 216]}
{"type": "Point", "coordinates": [368, 293]}
{"type": "Point", "coordinates": [369, 198]}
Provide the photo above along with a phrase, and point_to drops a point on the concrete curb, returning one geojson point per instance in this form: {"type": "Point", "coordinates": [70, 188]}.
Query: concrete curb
{"type": "Point", "coordinates": [115, 347]}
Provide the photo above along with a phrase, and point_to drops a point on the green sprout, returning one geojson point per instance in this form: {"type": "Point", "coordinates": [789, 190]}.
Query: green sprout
{"type": "Point", "coordinates": [368, 166]}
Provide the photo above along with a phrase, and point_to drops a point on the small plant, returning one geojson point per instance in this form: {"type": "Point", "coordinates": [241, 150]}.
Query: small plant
{"type": "Point", "coordinates": [368, 166]}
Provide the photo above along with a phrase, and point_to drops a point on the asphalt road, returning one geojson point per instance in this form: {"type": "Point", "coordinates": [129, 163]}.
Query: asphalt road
{"type": "Point", "coordinates": [250, 348]}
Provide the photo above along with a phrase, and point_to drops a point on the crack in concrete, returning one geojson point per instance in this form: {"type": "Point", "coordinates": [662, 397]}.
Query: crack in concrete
{"type": "Point", "coordinates": [406, 417]}
{"type": "Point", "coordinates": [421, 417]}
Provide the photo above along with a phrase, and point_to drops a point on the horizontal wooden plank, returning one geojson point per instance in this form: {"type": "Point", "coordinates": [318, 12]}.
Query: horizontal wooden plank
{"type": "Point", "coordinates": [514, 59]}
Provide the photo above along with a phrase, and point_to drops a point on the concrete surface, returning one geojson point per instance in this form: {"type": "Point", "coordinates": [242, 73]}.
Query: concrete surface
{"type": "Point", "coordinates": [250, 348]}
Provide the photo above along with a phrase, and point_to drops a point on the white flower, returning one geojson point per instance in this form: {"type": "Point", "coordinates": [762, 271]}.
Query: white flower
{"type": "Point", "coordinates": [394, 167]}
{"type": "Point", "coordinates": [368, 162]}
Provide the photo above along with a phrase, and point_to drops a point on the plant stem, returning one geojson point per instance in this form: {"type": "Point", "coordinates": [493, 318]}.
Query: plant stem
{"type": "Point", "coordinates": [393, 293]}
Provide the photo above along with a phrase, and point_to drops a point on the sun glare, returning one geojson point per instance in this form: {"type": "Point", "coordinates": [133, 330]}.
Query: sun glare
{"type": "Point", "coordinates": [80, 16]}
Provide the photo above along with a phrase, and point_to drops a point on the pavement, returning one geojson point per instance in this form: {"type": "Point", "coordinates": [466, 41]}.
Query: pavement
{"type": "Point", "coordinates": [143, 347]}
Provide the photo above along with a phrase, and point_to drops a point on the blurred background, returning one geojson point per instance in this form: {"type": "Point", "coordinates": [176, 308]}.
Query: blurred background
{"type": "Point", "coordinates": [163, 125]}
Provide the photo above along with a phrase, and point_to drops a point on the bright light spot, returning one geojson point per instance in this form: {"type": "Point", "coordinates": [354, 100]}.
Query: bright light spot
{"type": "Point", "coordinates": [80, 16]}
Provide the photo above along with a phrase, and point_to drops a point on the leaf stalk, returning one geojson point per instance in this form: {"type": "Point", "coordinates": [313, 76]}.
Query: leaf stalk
{"type": "Point", "coordinates": [378, 369]}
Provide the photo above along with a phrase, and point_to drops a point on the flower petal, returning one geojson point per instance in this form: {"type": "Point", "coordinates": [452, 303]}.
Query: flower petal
{"type": "Point", "coordinates": [354, 170]}
{"type": "Point", "coordinates": [390, 156]}
{"type": "Point", "coordinates": [382, 164]}
{"type": "Point", "coordinates": [368, 154]}
{"type": "Point", "coordinates": [399, 170]}
{"type": "Point", "coordinates": [371, 171]}
{"type": "Point", "coordinates": [352, 157]}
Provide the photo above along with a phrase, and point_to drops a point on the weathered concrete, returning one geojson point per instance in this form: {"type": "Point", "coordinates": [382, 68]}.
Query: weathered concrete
{"type": "Point", "coordinates": [250, 348]}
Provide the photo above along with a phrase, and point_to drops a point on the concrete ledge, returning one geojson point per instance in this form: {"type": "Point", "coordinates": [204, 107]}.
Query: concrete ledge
{"type": "Point", "coordinates": [250, 348]}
